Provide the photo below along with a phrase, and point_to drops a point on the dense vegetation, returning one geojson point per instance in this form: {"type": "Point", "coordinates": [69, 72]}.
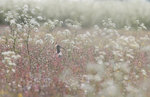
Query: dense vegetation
{"type": "Point", "coordinates": [98, 61]}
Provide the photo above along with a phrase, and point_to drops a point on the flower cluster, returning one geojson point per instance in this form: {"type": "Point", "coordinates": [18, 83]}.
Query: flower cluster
{"type": "Point", "coordinates": [9, 59]}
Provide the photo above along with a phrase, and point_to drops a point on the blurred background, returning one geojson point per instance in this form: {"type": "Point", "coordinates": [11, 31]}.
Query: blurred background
{"type": "Point", "coordinates": [87, 12]}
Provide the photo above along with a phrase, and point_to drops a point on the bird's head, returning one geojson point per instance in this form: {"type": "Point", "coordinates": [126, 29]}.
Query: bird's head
{"type": "Point", "coordinates": [58, 48]}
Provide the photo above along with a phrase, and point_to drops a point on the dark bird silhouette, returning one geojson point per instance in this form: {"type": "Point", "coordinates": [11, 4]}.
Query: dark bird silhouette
{"type": "Point", "coordinates": [58, 50]}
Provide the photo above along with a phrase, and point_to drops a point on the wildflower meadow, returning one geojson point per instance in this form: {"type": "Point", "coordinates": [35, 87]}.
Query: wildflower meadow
{"type": "Point", "coordinates": [46, 51]}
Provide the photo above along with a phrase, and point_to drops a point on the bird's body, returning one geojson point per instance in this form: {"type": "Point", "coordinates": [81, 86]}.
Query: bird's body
{"type": "Point", "coordinates": [58, 52]}
{"type": "Point", "coordinates": [57, 62]}
{"type": "Point", "coordinates": [58, 48]}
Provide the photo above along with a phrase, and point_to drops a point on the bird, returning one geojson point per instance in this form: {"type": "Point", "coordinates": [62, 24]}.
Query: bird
{"type": "Point", "coordinates": [58, 50]}
{"type": "Point", "coordinates": [57, 62]}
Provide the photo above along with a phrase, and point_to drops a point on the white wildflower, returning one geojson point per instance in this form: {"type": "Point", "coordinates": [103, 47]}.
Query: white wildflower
{"type": "Point", "coordinates": [127, 28]}
{"type": "Point", "coordinates": [40, 41]}
{"type": "Point", "coordinates": [12, 64]}
{"type": "Point", "coordinates": [126, 77]}
{"type": "Point", "coordinates": [9, 59]}
{"type": "Point", "coordinates": [12, 22]}
{"type": "Point", "coordinates": [143, 72]}
{"type": "Point", "coordinates": [50, 38]}
{"type": "Point", "coordinates": [143, 26]}
{"type": "Point", "coordinates": [13, 70]}
{"type": "Point", "coordinates": [130, 56]}
{"type": "Point", "coordinates": [40, 17]}
{"type": "Point", "coordinates": [19, 27]}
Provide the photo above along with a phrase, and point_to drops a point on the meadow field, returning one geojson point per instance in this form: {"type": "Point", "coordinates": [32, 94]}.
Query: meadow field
{"type": "Point", "coordinates": [104, 48]}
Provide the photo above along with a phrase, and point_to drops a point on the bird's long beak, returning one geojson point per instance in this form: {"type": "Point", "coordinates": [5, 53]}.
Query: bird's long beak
{"type": "Point", "coordinates": [62, 47]}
